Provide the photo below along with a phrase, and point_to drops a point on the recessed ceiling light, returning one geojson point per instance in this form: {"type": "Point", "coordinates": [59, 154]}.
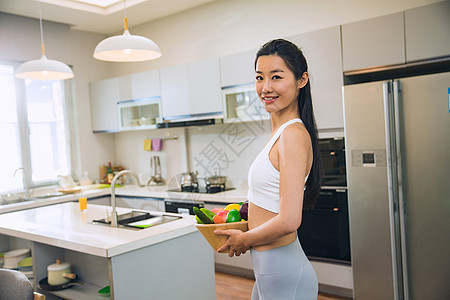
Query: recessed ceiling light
{"type": "Point", "coordinates": [100, 3]}
{"type": "Point", "coordinates": [102, 7]}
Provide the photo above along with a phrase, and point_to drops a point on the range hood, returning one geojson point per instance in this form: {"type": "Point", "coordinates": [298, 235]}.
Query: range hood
{"type": "Point", "coordinates": [192, 120]}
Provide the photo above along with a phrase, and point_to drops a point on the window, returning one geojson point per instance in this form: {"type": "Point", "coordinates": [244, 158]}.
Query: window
{"type": "Point", "coordinates": [35, 131]}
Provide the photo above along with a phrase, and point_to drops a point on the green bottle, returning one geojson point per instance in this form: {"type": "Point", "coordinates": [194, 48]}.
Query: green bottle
{"type": "Point", "coordinates": [109, 174]}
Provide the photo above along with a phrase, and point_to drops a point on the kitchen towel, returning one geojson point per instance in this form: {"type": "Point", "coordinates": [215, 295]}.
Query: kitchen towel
{"type": "Point", "coordinates": [148, 145]}
{"type": "Point", "coordinates": [157, 144]}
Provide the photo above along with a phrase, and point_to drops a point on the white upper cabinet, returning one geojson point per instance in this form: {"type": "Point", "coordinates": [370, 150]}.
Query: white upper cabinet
{"type": "Point", "coordinates": [374, 42]}
{"type": "Point", "coordinates": [191, 89]}
{"type": "Point", "coordinates": [238, 69]}
{"type": "Point", "coordinates": [322, 50]}
{"type": "Point", "coordinates": [139, 86]}
{"type": "Point", "coordinates": [240, 101]}
{"type": "Point", "coordinates": [104, 112]}
{"type": "Point", "coordinates": [427, 31]}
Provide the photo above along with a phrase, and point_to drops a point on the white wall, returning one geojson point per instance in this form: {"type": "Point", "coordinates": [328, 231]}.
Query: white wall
{"type": "Point", "coordinates": [228, 149]}
{"type": "Point", "coordinates": [20, 42]}
{"type": "Point", "coordinates": [130, 152]}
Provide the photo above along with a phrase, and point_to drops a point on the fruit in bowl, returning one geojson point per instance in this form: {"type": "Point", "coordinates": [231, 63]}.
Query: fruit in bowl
{"type": "Point", "coordinates": [217, 210]}
{"type": "Point", "coordinates": [234, 212]}
{"type": "Point", "coordinates": [208, 222]}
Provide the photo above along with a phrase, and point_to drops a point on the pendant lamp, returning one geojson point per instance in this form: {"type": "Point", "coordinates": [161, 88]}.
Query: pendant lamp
{"type": "Point", "coordinates": [44, 68]}
{"type": "Point", "coordinates": [127, 47]}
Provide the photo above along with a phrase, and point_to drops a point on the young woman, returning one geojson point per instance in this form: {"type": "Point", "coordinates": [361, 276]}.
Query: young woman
{"type": "Point", "coordinates": [284, 178]}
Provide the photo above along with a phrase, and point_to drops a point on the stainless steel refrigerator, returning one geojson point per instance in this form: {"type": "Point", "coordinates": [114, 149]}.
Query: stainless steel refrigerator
{"type": "Point", "coordinates": [398, 170]}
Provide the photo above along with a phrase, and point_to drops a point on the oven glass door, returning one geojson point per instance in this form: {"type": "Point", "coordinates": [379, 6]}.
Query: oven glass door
{"type": "Point", "coordinates": [332, 155]}
{"type": "Point", "coordinates": [180, 207]}
{"type": "Point", "coordinates": [324, 232]}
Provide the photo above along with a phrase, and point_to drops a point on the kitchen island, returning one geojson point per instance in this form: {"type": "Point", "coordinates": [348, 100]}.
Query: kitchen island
{"type": "Point", "coordinates": [167, 261]}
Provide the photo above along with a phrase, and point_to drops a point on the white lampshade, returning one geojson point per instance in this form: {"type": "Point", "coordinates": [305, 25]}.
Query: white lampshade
{"type": "Point", "coordinates": [127, 48]}
{"type": "Point", "coordinates": [44, 69]}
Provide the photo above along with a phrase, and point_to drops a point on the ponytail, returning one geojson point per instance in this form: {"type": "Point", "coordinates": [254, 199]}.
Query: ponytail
{"type": "Point", "coordinates": [314, 182]}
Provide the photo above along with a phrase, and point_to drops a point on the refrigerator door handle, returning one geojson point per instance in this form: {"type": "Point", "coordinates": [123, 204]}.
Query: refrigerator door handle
{"type": "Point", "coordinates": [401, 201]}
{"type": "Point", "coordinates": [391, 164]}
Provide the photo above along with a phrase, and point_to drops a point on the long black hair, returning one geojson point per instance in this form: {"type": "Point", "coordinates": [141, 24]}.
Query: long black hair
{"type": "Point", "coordinates": [296, 62]}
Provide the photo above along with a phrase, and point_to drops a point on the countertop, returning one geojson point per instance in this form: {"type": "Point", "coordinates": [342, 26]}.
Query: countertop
{"type": "Point", "coordinates": [66, 226]}
{"type": "Point", "coordinates": [230, 196]}
{"type": "Point", "coordinates": [162, 192]}
{"type": "Point", "coordinates": [38, 202]}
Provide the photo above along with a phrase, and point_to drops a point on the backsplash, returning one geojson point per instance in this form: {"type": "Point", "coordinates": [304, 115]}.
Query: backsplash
{"type": "Point", "coordinates": [131, 154]}
{"type": "Point", "coordinates": [228, 149]}
{"type": "Point", "coordinates": [225, 149]}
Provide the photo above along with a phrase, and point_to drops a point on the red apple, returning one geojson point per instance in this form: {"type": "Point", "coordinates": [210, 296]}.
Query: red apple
{"type": "Point", "coordinates": [223, 214]}
{"type": "Point", "coordinates": [217, 210]}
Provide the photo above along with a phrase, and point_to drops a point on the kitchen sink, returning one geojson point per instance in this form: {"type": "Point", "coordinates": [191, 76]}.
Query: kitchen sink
{"type": "Point", "coordinates": [138, 220]}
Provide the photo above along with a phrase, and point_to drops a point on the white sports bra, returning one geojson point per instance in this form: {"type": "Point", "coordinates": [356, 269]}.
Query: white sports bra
{"type": "Point", "coordinates": [264, 179]}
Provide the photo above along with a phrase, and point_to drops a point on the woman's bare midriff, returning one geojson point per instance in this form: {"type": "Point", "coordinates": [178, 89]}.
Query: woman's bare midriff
{"type": "Point", "coordinates": [258, 216]}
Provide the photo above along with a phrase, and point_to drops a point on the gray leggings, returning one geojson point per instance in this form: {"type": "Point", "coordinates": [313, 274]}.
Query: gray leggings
{"type": "Point", "coordinates": [283, 273]}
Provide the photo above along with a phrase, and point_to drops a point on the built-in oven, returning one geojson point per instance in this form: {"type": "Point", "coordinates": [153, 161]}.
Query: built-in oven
{"type": "Point", "coordinates": [182, 206]}
{"type": "Point", "coordinates": [324, 233]}
{"type": "Point", "coordinates": [332, 157]}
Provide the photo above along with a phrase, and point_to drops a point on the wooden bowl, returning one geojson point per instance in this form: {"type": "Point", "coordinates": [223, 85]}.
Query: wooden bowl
{"type": "Point", "coordinates": [215, 240]}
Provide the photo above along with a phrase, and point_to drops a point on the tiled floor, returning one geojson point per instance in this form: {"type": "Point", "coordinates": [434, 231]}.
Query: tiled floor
{"type": "Point", "coordinates": [231, 287]}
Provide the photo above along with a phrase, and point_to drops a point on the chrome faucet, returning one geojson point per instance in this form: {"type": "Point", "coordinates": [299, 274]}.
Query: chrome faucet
{"type": "Point", "coordinates": [115, 216]}
{"type": "Point", "coordinates": [25, 180]}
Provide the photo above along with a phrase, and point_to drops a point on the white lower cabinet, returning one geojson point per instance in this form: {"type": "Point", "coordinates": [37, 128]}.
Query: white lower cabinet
{"type": "Point", "coordinates": [151, 271]}
{"type": "Point", "coordinates": [8, 243]}
{"type": "Point", "coordinates": [141, 203]}
{"type": "Point", "coordinates": [92, 269]}
{"type": "Point", "coordinates": [137, 274]}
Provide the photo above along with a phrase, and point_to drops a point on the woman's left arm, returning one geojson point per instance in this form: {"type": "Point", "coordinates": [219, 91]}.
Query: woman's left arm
{"type": "Point", "coordinates": [294, 162]}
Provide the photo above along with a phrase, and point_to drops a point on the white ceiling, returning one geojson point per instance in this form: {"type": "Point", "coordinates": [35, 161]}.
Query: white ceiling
{"type": "Point", "coordinates": [108, 21]}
